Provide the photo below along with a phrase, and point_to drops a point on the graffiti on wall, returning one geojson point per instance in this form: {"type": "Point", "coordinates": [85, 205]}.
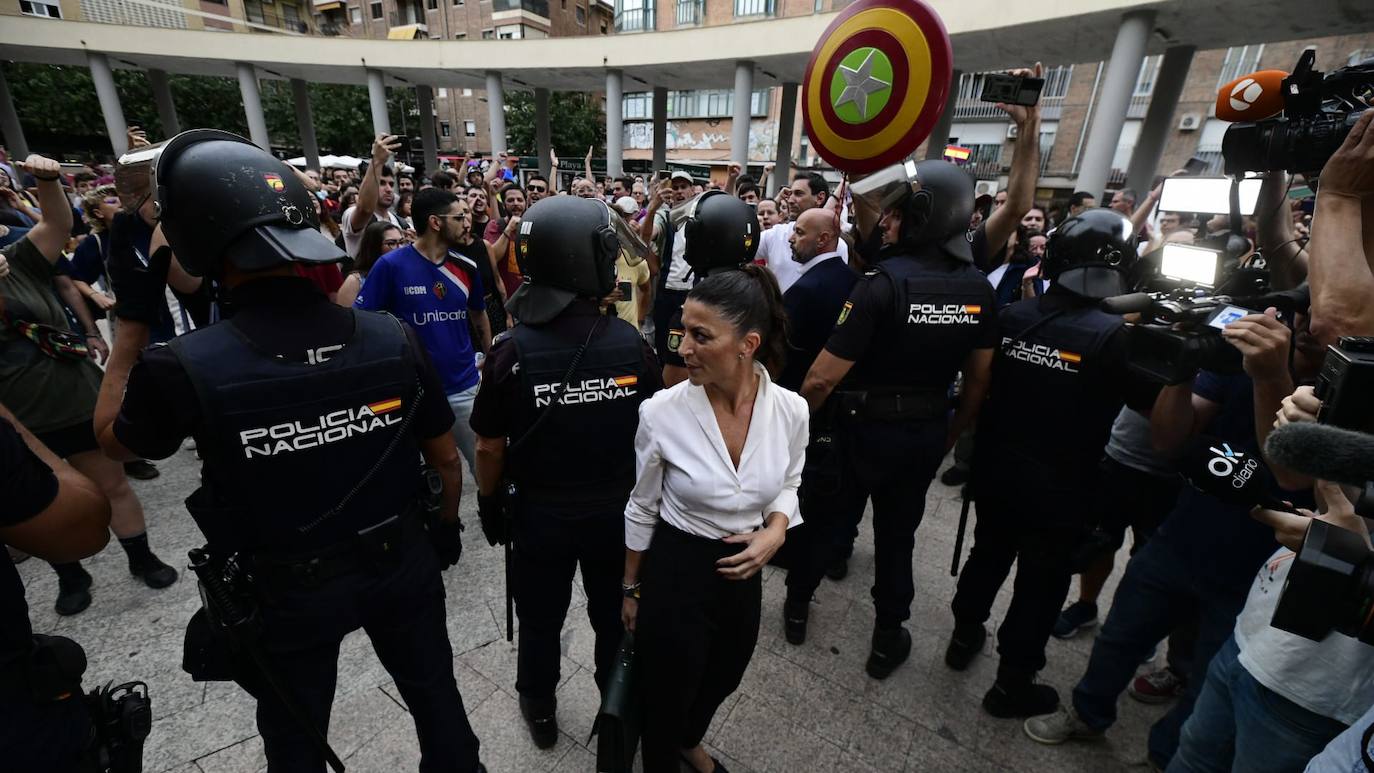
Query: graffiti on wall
{"type": "Point", "coordinates": [700, 135]}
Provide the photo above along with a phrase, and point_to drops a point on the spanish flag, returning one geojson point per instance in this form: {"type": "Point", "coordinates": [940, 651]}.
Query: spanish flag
{"type": "Point", "coordinates": [973, 309]}
{"type": "Point", "coordinates": [385, 406]}
{"type": "Point", "coordinates": [956, 153]}
{"type": "Point", "coordinates": [624, 381]}
{"type": "Point", "coordinates": [1070, 356]}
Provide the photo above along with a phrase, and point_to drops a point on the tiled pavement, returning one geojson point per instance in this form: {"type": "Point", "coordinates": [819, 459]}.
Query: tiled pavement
{"type": "Point", "coordinates": [808, 708]}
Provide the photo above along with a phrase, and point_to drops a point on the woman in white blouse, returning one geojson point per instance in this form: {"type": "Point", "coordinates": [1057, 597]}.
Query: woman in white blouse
{"type": "Point", "coordinates": [720, 459]}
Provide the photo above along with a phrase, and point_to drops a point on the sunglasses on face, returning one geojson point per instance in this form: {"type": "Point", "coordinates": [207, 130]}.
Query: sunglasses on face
{"type": "Point", "coordinates": [537, 189]}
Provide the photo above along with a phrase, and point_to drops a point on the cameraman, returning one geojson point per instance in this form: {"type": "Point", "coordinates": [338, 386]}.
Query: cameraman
{"type": "Point", "coordinates": [53, 512]}
{"type": "Point", "coordinates": [1342, 245]}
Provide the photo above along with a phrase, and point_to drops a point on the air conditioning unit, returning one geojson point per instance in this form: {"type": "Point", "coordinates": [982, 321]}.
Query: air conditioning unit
{"type": "Point", "coordinates": [1011, 131]}
{"type": "Point", "coordinates": [985, 188]}
{"type": "Point", "coordinates": [1189, 122]}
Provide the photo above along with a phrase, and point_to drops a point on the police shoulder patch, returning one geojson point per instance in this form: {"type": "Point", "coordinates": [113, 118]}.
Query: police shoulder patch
{"type": "Point", "coordinates": [674, 340]}
{"type": "Point", "coordinates": [501, 336]}
{"type": "Point", "coordinates": [844, 313]}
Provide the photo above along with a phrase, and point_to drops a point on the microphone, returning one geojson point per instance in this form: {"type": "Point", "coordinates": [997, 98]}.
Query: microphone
{"type": "Point", "coordinates": [1252, 97]}
{"type": "Point", "coordinates": [1323, 451]}
{"type": "Point", "coordinates": [1234, 477]}
{"type": "Point", "coordinates": [1127, 304]}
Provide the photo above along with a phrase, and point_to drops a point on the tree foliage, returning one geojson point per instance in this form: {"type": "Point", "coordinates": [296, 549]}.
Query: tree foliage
{"type": "Point", "coordinates": [576, 122]}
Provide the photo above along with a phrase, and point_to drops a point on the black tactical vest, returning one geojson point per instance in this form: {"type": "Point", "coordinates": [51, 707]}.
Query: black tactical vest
{"type": "Point", "coordinates": [283, 442]}
{"type": "Point", "coordinates": [583, 454]}
{"type": "Point", "coordinates": [1052, 401]}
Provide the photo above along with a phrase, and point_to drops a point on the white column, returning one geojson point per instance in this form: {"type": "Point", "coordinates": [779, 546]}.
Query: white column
{"type": "Point", "coordinates": [108, 96]}
{"type": "Point", "coordinates": [615, 125]}
{"type": "Point", "coordinates": [9, 123]}
{"type": "Point", "coordinates": [166, 106]}
{"type": "Point", "coordinates": [1154, 131]}
{"type": "Point", "coordinates": [252, 105]}
{"type": "Point", "coordinates": [660, 128]}
{"type": "Point", "coordinates": [376, 98]}
{"type": "Point", "coordinates": [939, 136]}
{"type": "Point", "coordinates": [1113, 100]}
{"type": "Point", "coordinates": [739, 129]}
{"type": "Point", "coordinates": [787, 122]}
{"type": "Point", "coordinates": [496, 112]}
{"type": "Point", "coordinates": [424, 100]}
{"type": "Point", "coordinates": [305, 122]}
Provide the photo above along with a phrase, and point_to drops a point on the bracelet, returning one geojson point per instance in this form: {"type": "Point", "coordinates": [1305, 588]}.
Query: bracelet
{"type": "Point", "coordinates": [631, 591]}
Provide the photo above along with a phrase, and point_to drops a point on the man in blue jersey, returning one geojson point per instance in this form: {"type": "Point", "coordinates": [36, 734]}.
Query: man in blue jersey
{"type": "Point", "coordinates": [437, 290]}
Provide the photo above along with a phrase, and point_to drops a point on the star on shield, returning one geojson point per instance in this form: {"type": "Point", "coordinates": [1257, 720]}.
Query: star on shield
{"type": "Point", "coordinates": [859, 83]}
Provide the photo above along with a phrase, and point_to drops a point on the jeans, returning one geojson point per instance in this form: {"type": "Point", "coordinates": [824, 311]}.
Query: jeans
{"type": "Point", "coordinates": [1159, 590]}
{"type": "Point", "coordinates": [461, 403]}
{"type": "Point", "coordinates": [1239, 725]}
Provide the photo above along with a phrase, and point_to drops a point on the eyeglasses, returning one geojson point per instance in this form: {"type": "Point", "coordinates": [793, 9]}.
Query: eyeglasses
{"type": "Point", "coordinates": [536, 188]}
{"type": "Point", "coordinates": [393, 242]}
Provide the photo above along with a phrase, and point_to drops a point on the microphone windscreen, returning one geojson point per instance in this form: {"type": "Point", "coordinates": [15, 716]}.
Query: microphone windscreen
{"type": "Point", "coordinates": [1252, 97]}
{"type": "Point", "coordinates": [1236, 477]}
{"type": "Point", "coordinates": [1323, 451]}
{"type": "Point", "coordinates": [1127, 304]}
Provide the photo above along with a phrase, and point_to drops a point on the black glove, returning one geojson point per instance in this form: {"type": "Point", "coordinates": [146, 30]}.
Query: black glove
{"type": "Point", "coordinates": [492, 513]}
{"type": "Point", "coordinates": [447, 538]}
{"type": "Point", "coordinates": [139, 281]}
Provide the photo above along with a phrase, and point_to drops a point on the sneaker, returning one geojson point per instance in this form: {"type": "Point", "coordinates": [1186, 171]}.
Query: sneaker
{"type": "Point", "coordinates": [1078, 616]}
{"type": "Point", "coordinates": [891, 646]}
{"type": "Point", "coordinates": [1159, 686]}
{"type": "Point", "coordinates": [541, 717]}
{"type": "Point", "coordinates": [141, 470]}
{"type": "Point", "coordinates": [964, 645]}
{"type": "Point", "coordinates": [955, 476]}
{"type": "Point", "coordinates": [838, 569]}
{"type": "Point", "coordinates": [73, 590]}
{"type": "Point", "coordinates": [1063, 725]}
{"type": "Point", "coordinates": [794, 618]}
{"type": "Point", "coordinates": [1025, 699]}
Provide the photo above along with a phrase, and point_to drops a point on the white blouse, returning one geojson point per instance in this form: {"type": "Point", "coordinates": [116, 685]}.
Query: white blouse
{"type": "Point", "coordinates": [685, 475]}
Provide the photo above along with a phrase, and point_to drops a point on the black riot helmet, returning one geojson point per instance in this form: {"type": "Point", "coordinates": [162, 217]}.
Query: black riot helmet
{"type": "Point", "coordinates": [566, 249]}
{"type": "Point", "coordinates": [722, 232]}
{"type": "Point", "coordinates": [220, 197]}
{"type": "Point", "coordinates": [935, 200]}
{"type": "Point", "coordinates": [1091, 253]}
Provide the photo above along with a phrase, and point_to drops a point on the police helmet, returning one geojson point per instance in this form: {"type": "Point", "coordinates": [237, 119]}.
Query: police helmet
{"type": "Point", "coordinates": [1091, 253]}
{"type": "Point", "coordinates": [722, 232]}
{"type": "Point", "coordinates": [566, 249]}
{"type": "Point", "coordinates": [935, 200]}
{"type": "Point", "coordinates": [220, 197]}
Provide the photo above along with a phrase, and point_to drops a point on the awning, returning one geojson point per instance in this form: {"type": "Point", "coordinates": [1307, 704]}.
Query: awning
{"type": "Point", "coordinates": [328, 5]}
{"type": "Point", "coordinates": [407, 32]}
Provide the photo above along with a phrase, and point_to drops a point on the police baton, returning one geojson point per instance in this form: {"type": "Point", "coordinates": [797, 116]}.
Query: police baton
{"type": "Point", "coordinates": [237, 623]}
{"type": "Point", "coordinates": [510, 574]}
{"type": "Point", "coordinates": [959, 536]}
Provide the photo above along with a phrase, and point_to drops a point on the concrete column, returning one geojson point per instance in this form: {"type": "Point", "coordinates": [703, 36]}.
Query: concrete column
{"type": "Point", "coordinates": [542, 135]}
{"type": "Point", "coordinates": [739, 126]}
{"type": "Point", "coordinates": [615, 126]}
{"type": "Point", "coordinates": [166, 107]}
{"type": "Point", "coordinates": [496, 112]}
{"type": "Point", "coordinates": [660, 128]}
{"type": "Point", "coordinates": [305, 121]}
{"type": "Point", "coordinates": [939, 136]}
{"type": "Point", "coordinates": [424, 100]}
{"type": "Point", "coordinates": [1154, 132]}
{"type": "Point", "coordinates": [787, 121]}
{"type": "Point", "coordinates": [376, 98]}
{"type": "Point", "coordinates": [9, 123]}
{"type": "Point", "coordinates": [108, 96]}
{"type": "Point", "coordinates": [1113, 100]}
{"type": "Point", "coordinates": [252, 105]}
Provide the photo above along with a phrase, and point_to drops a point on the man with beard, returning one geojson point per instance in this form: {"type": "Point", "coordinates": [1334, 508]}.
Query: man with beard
{"type": "Point", "coordinates": [809, 190]}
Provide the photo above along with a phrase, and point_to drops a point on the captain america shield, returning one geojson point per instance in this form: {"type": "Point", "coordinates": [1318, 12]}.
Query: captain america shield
{"type": "Point", "coordinates": [876, 83]}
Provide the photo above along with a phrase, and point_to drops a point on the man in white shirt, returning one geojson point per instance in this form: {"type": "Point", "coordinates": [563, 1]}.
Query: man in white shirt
{"type": "Point", "coordinates": [375, 196]}
{"type": "Point", "coordinates": [666, 228]}
{"type": "Point", "coordinates": [775, 245]}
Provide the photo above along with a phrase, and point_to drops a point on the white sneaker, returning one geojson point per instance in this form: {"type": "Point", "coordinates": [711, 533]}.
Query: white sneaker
{"type": "Point", "coordinates": [1063, 725]}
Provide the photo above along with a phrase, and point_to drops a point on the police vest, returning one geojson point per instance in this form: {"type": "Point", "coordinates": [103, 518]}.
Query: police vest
{"type": "Point", "coordinates": [284, 442]}
{"type": "Point", "coordinates": [1052, 403]}
{"type": "Point", "coordinates": [583, 454]}
{"type": "Point", "coordinates": [939, 305]}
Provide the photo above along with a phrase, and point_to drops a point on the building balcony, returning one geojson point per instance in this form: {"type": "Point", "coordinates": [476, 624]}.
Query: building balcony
{"type": "Point", "coordinates": [537, 7]}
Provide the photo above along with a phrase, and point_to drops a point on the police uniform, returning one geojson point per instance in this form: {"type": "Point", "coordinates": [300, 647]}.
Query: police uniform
{"type": "Point", "coordinates": [307, 417]}
{"type": "Point", "coordinates": [1059, 379]}
{"type": "Point", "coordinates": [571, 461]}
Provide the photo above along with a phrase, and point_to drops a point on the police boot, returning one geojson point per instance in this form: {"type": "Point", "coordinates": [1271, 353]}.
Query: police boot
{"type": "Point", "coordinates": [964, 645]}
{"type": "Point", "coordinates": [1015, 694]}
{"type": "Point", "coordinates": [146, 566]}
{"type": "Point", "coordinates": [891, 646]}
{"type": "Point", "coordinates": [73, 588]}
{"type": "Point", "coordinates": [794, 616]}
{"type": "Point", "coordinates": [540, 715]}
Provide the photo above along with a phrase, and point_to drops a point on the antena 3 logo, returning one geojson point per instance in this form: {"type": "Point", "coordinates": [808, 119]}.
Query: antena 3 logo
{"type": "Point", "coordinates": [320, 431]}
{"type": "Point", "coordinates": [1042, 355]}
{"type": "Point", "coordinates": [591, 390]}
{"type": "Point", "coordinates": [943, 314]}
{"type": "Point", "coordinates": [1227, 462]}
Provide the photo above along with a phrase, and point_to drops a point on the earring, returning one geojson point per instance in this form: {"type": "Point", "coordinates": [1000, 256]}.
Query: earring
{"type": "Point", "coordinates": [741, 355]}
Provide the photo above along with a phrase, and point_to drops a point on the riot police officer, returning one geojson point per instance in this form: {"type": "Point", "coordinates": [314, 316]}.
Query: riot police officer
{"type": "Point", "coordinates": [290, 388]}
{"type": "Point", "coordinates": [922, 315]}
{"type": "Point", "coordinates": [722, 233]}
{"type": "Point", "coordinates": [1033, 474]}
{"type": "Point", "coordinates": [555, 420]}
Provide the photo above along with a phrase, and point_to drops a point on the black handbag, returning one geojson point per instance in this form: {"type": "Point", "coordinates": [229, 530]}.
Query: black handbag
{"type": "Point", "coordinates": [617, 725]}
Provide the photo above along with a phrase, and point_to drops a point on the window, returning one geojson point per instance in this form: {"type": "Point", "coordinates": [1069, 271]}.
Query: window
{"type": "Point", "coordinates": [377, 10]}
{"type": "Point", "coordinates": [696, 103]}
{"type": "Point", "coordinates": [445, 130]}
{"type": "Point", "coordinates": [1240, 60]}
{"type": "Point", "coordinates": [488, 34]}
{"type": "Point", "coordinates": [1209, 145]}
{"type": "Point", "coordinates": [639, 104]}
{"type": "Point", "coordinates": [820, 6]}
{"type": "Point", "coordinates": [355, 15]}
{"type": "Point", "coordinates": [49, 9]}
{"type": "Point", "coordinates": [460, 36]}
{"type": "Point", "coordinates": [754, 7]}
{"type": "Point", "coordinates": [432, 5]}
{"type": "Point", "coordinates": [581, 16]}
{"type": "Point", "coordinates": [1057, 82]}
{"type": "Point", "coordinates": [1145, 79]}
{"type": "Point", "coordinates": [457, 2]}
{"type": "Point", "coordinates": [689, 12]}
{"type": "Point", "coordinates": [509, 32]}
{"type": "Point", "coordinates": [292, 16]}
{"type": "Point", "coordinates": [634, 15]}
{"type": "Point", "coordinates": [470, 128]}
{"type": "Point", "coordinates": [252, 11]}
{"type": "Point", "coordinates": [603, 28]}
{"type": "Point", "coordinates": [467, 92]}
{"type": "Point", "coordinates": [443, 93]}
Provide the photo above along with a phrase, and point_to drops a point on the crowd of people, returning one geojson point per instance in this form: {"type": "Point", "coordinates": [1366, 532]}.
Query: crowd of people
{"type": "Point", "coordinates": [758, 359]}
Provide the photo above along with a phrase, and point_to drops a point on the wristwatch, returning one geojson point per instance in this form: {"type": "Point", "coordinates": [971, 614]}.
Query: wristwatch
{"type": "Point", "coordinates": [631, 591]}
